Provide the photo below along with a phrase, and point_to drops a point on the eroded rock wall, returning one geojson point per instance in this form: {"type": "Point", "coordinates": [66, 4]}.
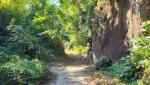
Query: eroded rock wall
{"type": "Point", "coordinates": [115, 22]}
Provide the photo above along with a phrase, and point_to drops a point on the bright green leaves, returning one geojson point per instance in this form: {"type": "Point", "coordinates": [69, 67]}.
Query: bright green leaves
{"type": "Point", "coordinates": [146, 30]}
{"type": "Point", "coordinates": [22, 71]}
{"type": "Point", "coordinates": [39, 19]}
{"type": "Point", "coordinates": [140, 50]}
{"type": "Point", "coordinates": [12, 9]}
{"type": "Point", "coordinates": [140, 54]}
{"type": "Point", "coordinates": [69, 9]}
{"type": "Point", "coordinates": [77, 21]}
{"type": "Point", "coordinates": [47, 18]}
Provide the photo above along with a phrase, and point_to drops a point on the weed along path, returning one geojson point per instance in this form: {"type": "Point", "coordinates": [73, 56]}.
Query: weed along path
{"type": "Point", "coordinates": [72, 72]}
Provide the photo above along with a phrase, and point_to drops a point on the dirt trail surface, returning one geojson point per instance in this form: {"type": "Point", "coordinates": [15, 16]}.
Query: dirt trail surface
{"type": "Point", "coordinates": [72, 72]}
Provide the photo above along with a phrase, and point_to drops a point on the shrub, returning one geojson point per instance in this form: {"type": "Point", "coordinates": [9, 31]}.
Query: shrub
{"type": "Point", "coordinates": [8, 10]}
{"type": "Point", "coordinates": [119, 68]}
{"type": "Point", "coordinates": [5, 55]}
{"type": "Point", "coordinates": [24, 43]}
{"type": "Point", "coordinates": [103, 63]}
{"type": "Point", "coordinates": [146, 30]}
{"type": "Point", "coordinates": [145, 80]}
{"type": "Point", "coordinates": [140, 57]}
{"type": "Point", "coordinates": [123, 70]}
{"type": "Point", "coordinates": [55, 44]}
{"type": "Point", "coordinates": [22, 72]}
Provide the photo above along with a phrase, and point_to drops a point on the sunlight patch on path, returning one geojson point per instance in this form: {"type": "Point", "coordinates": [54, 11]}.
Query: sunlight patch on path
{"type": "Point", "coordinates": [71, 75]}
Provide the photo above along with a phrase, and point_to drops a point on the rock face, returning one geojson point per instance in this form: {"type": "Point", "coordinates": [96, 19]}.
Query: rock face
{"type": "Point", "coordinates": [115, 22]}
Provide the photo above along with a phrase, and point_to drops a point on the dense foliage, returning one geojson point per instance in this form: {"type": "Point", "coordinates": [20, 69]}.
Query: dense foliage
{"type": "Point", "coordinates": [140, 56]}
{"type": "Point", "coordinates": [78, 23]}
{"type": "Point", "coordinates": [22, 71]}
{"type": "Point", "coordinates": [34, 31]}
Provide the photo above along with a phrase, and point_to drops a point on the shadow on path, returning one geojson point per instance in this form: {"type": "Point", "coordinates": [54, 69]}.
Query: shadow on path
{"type": "Point", "coordinates": [72, 71]}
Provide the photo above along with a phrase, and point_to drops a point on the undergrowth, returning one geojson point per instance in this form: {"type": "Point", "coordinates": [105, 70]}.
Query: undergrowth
{"type": "Point", "coordinates": [135, 68]}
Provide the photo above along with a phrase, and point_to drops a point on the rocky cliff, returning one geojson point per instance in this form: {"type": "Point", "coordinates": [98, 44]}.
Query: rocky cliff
{"type": "Point", "coordinates": [115, 22]}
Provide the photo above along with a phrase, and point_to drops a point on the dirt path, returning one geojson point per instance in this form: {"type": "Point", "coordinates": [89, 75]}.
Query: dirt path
{"type": "Point", "coordinates": [75, 72]}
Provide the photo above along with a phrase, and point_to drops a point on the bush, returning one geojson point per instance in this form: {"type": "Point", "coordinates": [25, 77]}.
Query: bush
{"type": "Point", "coordinates": [145, 80]}
{"type": "Point", "coordinates": [123, 70]}
{"type": "Point", "coordinates": [22, 72]}
{"type": "Point", "coordinates": [103, 63]}
{"type": "Point", "coordinates": [140, 57]}
{"type": "Point", "coordinates": [24, 43]}
{"type": "Point", "coordinates": [8, 10]}
{"type": "Point", "coordinates": [146, 30]}
{"type": "Point", "coordinates": [55, 44]}
{"type": "Point", "coordinates": [119, 68]}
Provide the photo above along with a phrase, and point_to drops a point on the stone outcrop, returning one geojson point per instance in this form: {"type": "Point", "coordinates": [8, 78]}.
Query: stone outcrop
{"type": "Point", "coordinates": [115, 22]}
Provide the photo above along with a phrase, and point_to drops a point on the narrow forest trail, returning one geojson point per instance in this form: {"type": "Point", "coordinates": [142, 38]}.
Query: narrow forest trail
{"type": "Point", "coordinates": [72, 72]}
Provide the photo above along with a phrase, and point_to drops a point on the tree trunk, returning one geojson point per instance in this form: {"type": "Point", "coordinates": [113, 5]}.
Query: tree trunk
{"type": "Point", "coordinates": [115, 23]}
